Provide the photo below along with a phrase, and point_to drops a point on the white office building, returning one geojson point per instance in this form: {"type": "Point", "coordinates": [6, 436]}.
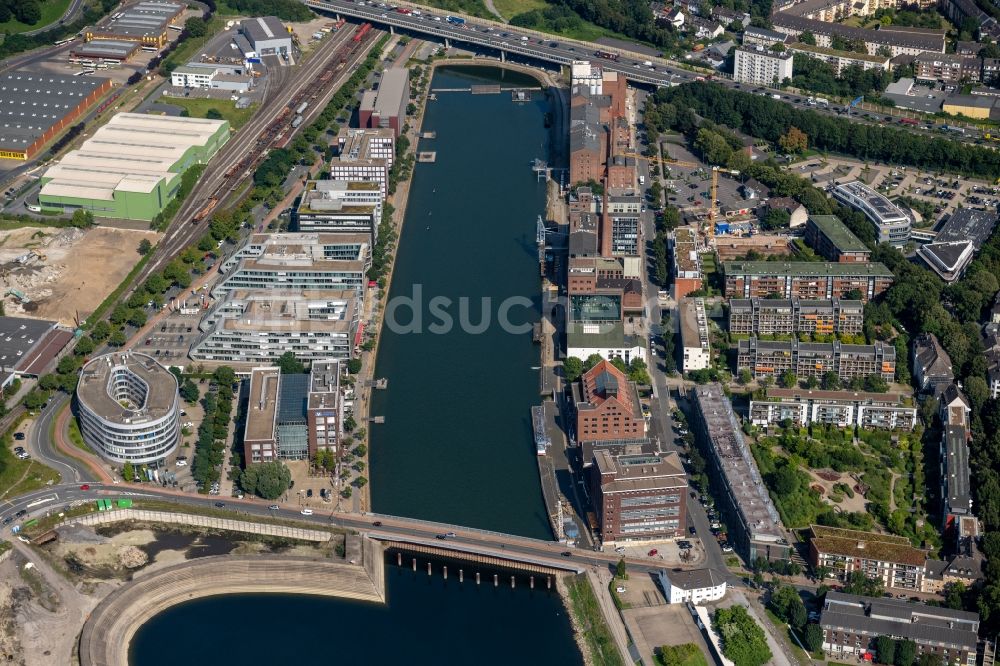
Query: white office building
{"type": "Point", "coordinates": [339, 206]}
{"type": "Point", "coordinates": [128, 407]}
{"type": "Point", "coordinates": [891, 224]}
{"type": "Point", "coordinates": [695, 586]}
{"type": "Point", "coordinates": [697, 351]}
{"type": "Point", "coordinates": [762, 66]}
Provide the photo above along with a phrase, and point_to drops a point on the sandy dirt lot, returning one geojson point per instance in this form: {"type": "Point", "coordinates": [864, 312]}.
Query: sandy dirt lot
{"type": "Point", "coordinates": [78, 269]}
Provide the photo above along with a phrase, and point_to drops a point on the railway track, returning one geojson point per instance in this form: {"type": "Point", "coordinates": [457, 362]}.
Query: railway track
{"type": "Point", "coordinates": [270, 128]}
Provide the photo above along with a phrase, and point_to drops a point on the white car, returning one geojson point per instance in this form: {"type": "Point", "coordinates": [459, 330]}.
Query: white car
{"type": "Point", "coordinates": [306, 512]}
{"type": "Point", "coordinates": [181, 463]}
{"type": "Point", "coordinates": [619, 589]}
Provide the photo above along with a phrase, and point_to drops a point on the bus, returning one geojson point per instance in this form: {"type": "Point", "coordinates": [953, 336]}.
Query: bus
{"type": "Point", "coordinates": [174, 27]}
{"type": "Point", "coordinates": [63, 42]}
{"type": "Point", "coordinates": [150, 49]}
{"type": "Point", "coordinates": [607, 55]}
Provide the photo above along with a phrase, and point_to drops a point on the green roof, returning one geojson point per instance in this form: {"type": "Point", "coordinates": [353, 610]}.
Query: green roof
{"type": "Point", "coordinates": [610, 335]}
{"type": "Point", "coordinates": [805, 268]}
{"type": "Point", "coordinates": [838, 233]}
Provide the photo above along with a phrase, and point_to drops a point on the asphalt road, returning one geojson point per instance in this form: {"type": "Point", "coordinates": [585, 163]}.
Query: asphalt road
{"type": "Point", "coordinates": [42, 448]}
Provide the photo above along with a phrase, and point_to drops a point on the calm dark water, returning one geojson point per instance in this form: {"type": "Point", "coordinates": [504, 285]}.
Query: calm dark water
{"type": "Point", "coordinates": [427, 620]}
{"type": "Point", "coordinates": [456, 446]}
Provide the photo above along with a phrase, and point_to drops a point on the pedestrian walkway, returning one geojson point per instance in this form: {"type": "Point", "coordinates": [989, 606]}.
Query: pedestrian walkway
{"type": "Point", "coordinates": [600, 578]}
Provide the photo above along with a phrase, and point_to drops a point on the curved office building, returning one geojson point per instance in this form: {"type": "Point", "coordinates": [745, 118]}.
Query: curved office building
{"type": "Point", "coordinates": [129, 408]}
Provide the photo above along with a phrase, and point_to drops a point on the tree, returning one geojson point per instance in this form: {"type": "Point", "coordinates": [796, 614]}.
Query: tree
{"type": "Point", "coordinates": [876, 384]}
{"type": "Point", "coordinates": [811, 382]}
{"type": "Point", "coordinates": [858, 583]}
{"type": "Point", "coordinates": [885, 649]}
{"type": "Point", "coordinates": [189, 392]}
{"type": "Point", "coordinates": [117, 339]}
{"type": "Point", "coordinates": [830, 381]}
{"type": "Point", "coordinates": [788, 379]}
{"type": "Point", "coordinates": [268, 479]}
{"type": "Point", "coordinates": [100, 331]}
{"type": "Point", "coordinates": [807, 38]}
{"type": "Point", "coordinates": [290, 365]}
{"type": "Point", "coordinates": [137, 318]}
{"type": "Point", "coordinates": [906, 653]}
{"type": "Point", "coordinates": [354, 366]}
{"type": "Point", "coordinates": [621, 571]}
{"type": "Point", "coordinates": [144, 247]}
{"type": "Point", "coordinates": [794, 141]}
{"type": "Point", "coordinates": [776, 218]}
{"type": "Point", "coordinates": [930, 659]}
{"type": "Point", "coordinates": [224, 376]}
{"type": "Point", "coordinates": [812, 636]}
{"type": "Point", "coordinates": [35, 398]}
{"type": "Point", "coordinates": [743, 640]}
{"type": "Point", "coordinates": [679, 655]}
{"type": "Point", "coordinates": [128, 472]}
{"type": "Point", "coordinates": [214, 114]}
{"type": "Point", "coordinates": [68, 364]}
{"type": "Point", "coordinates": [196, 27]}
{"type": "Point", "coordinates": [84, 346]}
{"type": "Point", "coordinates": [360, 482]}
{"type": "Point", "coordinates": [350, 424]}
{"type": "Point", "coordinates": [27, 11]}
{"type": "Point", "coordinates": [572, 368]}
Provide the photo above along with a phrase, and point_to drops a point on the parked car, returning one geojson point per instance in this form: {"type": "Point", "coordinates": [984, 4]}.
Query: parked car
{"type": "Point", "coordinates": [653, 553]}
{"type": "Point", "coordinates": [219, 505]}
{"type": "Point", "coordinates": [306, 512]}
{"type": "Point", "coordinates": [19, 436]}
{"type": "Point", "coordinates": [377, 523]}
{"type": "Point", "coordinates": [273, 507]}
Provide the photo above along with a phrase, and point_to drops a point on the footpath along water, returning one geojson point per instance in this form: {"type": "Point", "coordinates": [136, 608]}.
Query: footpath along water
{"type": "Point", "coordinates": [456, 445]}
{"type": "Point", "coordinates": [426, 620]}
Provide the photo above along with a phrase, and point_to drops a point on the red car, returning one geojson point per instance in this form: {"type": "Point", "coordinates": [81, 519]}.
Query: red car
{"type": "Point", "coordinates": [653, 553]}
{"type": "Point", "coordinates": [85, 487]}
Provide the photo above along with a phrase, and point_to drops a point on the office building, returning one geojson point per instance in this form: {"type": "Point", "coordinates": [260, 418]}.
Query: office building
{"type": "Point", "coordinates": [692, 586]}
{"type": "Point", "coordinates": [889, 559]}
{"type": "Point", "coordinates": [891, 224]}
{"type": "Point", "coordinates": [624, 212]}
{"type": "Point", "coordinates": [212, 76]}
{"type": "Point", "coordinates": [258, 326]}
{"type": "Point", "coordinates": [143, 22]}
{"type": "Point", "coordinates": [638, 497]}
{"type": "Point", "coordinates": [805, 279]}
{"type": "Point", "coordinates": [852, 623]}
{"type": "Point", "coordinates": [325, 407]}
{"type": "Point", "coordinates": [686, 263]}
{"type": "Point", "coordinates": [364, 155]}
{"type": "Point", "coordinates": [132, 166]}
{"type": "Point", "coordinates": [760, 66]}
{"type": "Point", "coordinates": [267, 35]}
{"type": "Point", "coordinates": [386, 107]}
{"type": "Point", "coordinates": [957, 242]}
{"type": "Point", "coordinates": [260, 438]}
{"type": "Point", "coordinates": [313, 261]}
{"type": "Point", "coordinates": [128, 408]}
{"type": "Point", "coordinates": [765, 358]}
{"type": "Point", "coordinates": [755, 528]}
{"type": "Point", "coordinates": [36, 107]}
{"type": "Point", "coordinates": [337, 206]}
{"type": "Point", "coordinates": [833, 241]}
{"type": "Point", "coordinates": [606, 339]}
{"type": "Point", "coordinates": [776, 316]}
{"type": "Point", "coordinates": [607, 406]}
{"type": "Point", "coordinates": [29, 347]}
{"type": "Point", "coordinates": [843, 409]}
{"type": "Point", "coordinates": [695, 346]}
{"type": "Point", "coordinates": [931, 364]}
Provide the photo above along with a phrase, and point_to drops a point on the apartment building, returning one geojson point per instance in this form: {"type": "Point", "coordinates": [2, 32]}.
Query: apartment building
{"type": "Point", "coordinates": [931, 364]}
{"type": "Point", "coordinates": [755, 528]}
{"type": "Point", "coordinates": [840, 60]}
{"type": "Point", "coordinates": [851, 624]}
{"type": "Point", "coordinates": [764, 358]}
{"type": "Point", "coordinates": [947, 68]}
{"type": "Point", "coordinates": [884, 557]}
{"type": "Point", "coordinates": [255, 326]}
{"type": "Point", "coordinates": [364, 155]}
{"type": "Point", "coordinates": [325, 407]}
{"type": "Point", "coordinates": [832, 240]}
{"type": "Point", "coordinates": [843, 409]}
{"type": "Point", "coordinates": [686, 263]}
{"type": "Point", "coordinates": [313, 261]}
{"type": "Point", "coordinates": [775, 316]}
{"type": "Point", "coordinates": [891, 224]}
{"type": "Point", "coordinates": [260, 440]}
{"type": "Point", "coordinates": [762, 66]}
{"type": "Point", "coordinates": [805, 279]}
{"type": "Point", "coordinates": [607, 406]}
{"type": "Point", "coordinates": [692, 586]}
{"type": "Point", "coordinates": [339, 206]}
{"type": "Point", "coordinates": [695, 345]}
{"type": "Point", "coordinates": [639, 497]}
{"type": "Point", "coordinates": [898, 40]}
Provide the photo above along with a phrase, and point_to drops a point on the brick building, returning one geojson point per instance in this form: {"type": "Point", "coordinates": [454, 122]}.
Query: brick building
{"type": "Point", "coordinates": [638, 497]}
{"type": "Point", "coordinates": [834, 241]}
{"type": "Point", "coordinates": [607, 406]}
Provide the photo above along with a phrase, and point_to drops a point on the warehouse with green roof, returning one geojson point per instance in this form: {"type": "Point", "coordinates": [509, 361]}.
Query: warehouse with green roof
{"type": "Point", "coordinates": [131, 167]}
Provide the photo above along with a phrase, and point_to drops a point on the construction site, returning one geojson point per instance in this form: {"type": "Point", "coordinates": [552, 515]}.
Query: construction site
{"type": "Point", "coordinates": [64, 274]}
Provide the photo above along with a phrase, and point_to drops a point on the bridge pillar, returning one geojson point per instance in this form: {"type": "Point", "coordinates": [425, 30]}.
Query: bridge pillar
{"type": "Point", "coordinates": [503, 56]}
{"type": "Point", "coordinates": [414, 564]}
{"type": "Point", "coordinates": [428, 568]}
{"type": "Point", "coordinates": [496, 580]}
{"type": "Point", "coordinates": [461, 576]}
{"type": "Point", "coordinates": [447, 43]}
{"type": "Point", "coordinates": [512, 582]}
{"type": "Point", "coordinates": [548, 582]}
{"type": "Point", "coordinates": [446, 573]}
{"type": "Point", "coordinates": [399, 559]}
{"type": "Point", "coordinates": [532, 582]}
{"type": "Point", "coordinates": [392, 29]}
{"type": "Point", "coordinates": [477, 578]}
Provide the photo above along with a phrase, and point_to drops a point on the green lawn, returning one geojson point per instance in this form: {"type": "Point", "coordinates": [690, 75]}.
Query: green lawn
{"type": "Point", "coordinates": [588, 615]}
{"type": "Point", "coordinates": [52, 11]}
{"type": "Point", "coordinates": [511, 8]}
{"type": "Point", "coordinates": [18, 477]}
{"type": "Point", "coordinates": [197, 108]}
{"type": "Point", "coordinates": [686, 654]}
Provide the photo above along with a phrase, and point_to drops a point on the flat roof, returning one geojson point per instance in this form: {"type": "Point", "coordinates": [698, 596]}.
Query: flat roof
{"type": "Point", "coordinates": [867, 545]}
{"type": "Point", "coordinates": [956, 464]}
{"type": "Point", "coordinates": [694, 323]}
{"type": "Point", "coordinates": [293, 398]}
{"type": "Point", "coordinates": [839, 396]}
{"type": "Point", "coordinates": [264, 28]}
{"type": "Point", "coordinates": [806, 269]}
{"type": "Point", "coordinates": [31, 103]}
{"type": "Point", "coordinates": [106, 48]}
{"type": "Point", "coordinates": [132, 152]}
{"type": "Point", "coordinates": [18, 337]}
{"type": "Point", "coordinates": [324, 384]}
{"type": "Point", "coordinates": [837, 233]}
{"type": "Point", "coordinates": [140, 20]}
{"type": "Point", "coordinates": [738, 466]}
{"type": "Point", "coordinates": [262, 407]}
{"type": "Point", "coordinates": [96, 376]}
{"type": "Point", "coordinates": [967, 224]}
{"type": "Point", "coordinates": [847, 55]}
{"type": "Point", "coordinates": [694, 579]}
{"type": "Point", "coordinates": [875, 203]}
